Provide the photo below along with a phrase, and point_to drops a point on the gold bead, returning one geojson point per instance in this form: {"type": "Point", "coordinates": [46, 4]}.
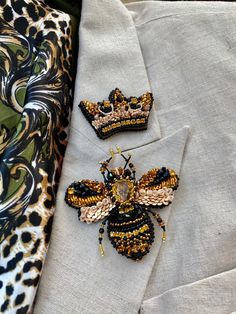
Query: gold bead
{"type": "Point", "coordinates": [101, 249]}
{"type": "Point", "coordinates": [163, 236]}
{"type": "Point", "coordinates": [112, 153]}
{"type": "Point", "coordinates": [118, 150]}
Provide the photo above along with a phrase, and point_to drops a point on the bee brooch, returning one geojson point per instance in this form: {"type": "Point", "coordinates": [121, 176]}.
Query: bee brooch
{"type": "Point", "coordinates": [124, 204]}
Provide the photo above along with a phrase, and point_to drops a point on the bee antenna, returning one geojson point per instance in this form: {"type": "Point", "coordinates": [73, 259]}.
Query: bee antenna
{"type": "Point", "coordinates": [126, 160]}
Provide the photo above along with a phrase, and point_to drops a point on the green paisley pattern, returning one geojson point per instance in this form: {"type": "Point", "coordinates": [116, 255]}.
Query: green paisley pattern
{"type": "Point", "coordinates": [35, 104]}
{"type": "Point", "coordinates": [15, 68]}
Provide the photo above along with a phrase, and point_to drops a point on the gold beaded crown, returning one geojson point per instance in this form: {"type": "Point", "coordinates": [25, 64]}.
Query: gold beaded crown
{"type": "Point", "coordinates": [118, 113]}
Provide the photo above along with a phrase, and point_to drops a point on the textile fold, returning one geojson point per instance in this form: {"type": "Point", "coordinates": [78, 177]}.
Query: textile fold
{"type": "Point", "coordinates": [35, 105]}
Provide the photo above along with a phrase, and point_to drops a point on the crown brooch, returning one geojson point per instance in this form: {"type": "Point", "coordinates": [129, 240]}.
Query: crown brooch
{"type": "Point", "coordinates": [124, 204]}
{"type": "Point", "coordinates": [118, 113]}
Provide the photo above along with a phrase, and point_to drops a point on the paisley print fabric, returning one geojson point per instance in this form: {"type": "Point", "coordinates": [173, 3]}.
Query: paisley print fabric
{"type": "Point", "coordinates": [35, 94]}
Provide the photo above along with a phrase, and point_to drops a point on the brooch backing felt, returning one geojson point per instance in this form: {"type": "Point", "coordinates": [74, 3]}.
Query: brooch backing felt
{"type": "Point", "coordinates": [118, 113]}
{"type": "Point", "coordinates": [124, 204]}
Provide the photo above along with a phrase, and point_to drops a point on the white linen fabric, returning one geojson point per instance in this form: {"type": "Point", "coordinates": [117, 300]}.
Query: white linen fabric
{"type": "Point", "coordinates": [187, 55]}
{"type": "Point", "coordinates": [215, 294]}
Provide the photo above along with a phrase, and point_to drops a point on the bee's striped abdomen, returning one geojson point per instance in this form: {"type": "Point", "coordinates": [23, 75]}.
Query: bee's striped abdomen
{"type": "Point", "coordinates": [131, 236]}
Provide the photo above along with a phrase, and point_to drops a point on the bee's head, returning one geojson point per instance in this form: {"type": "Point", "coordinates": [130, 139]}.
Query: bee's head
{"type": "Point", "coordinates": [118, 173]}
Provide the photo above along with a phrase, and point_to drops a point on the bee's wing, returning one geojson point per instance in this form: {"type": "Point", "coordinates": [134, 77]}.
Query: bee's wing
{"type": "Point", "coordinates": [156, 187]}
{"type": "Point", "coordinates": [90, 198]}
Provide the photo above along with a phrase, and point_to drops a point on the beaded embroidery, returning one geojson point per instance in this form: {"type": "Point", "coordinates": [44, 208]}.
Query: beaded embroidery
{"type": "Point", "coordinates": [124, 204]}
{"type": "Point", "coordinates": [118, 113]}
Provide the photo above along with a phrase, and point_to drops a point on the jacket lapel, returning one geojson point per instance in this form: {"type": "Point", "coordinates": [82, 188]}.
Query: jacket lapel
{"type": "Point", "coordinates": [110, 57]}
{"type": "Point", "coordinates": [74, 271]}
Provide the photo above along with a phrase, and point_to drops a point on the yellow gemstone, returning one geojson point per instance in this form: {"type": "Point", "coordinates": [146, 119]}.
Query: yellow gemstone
{"type": "Point", "coordinates": [106, 103]}
{"type": "Point", "coordinates": [172, 173]}
{"type": "Point", "coordinates": [134, 100]}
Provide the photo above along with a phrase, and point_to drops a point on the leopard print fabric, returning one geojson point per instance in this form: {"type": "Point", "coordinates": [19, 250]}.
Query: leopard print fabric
{"type": "Point", "coordinates": [35, 105]}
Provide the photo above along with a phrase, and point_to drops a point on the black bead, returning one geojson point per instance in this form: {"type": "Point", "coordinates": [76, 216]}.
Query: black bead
{"type": "Point", "coordinates": [110, 175]}
{"type": "Point", "coordinates": [134, 106]}
{"type": "Point", "coordinates": [127, 173]}
{"type": "Point", "coordinates": [81, 186]}
{"type": "Point", "coordinates": [101, 230]}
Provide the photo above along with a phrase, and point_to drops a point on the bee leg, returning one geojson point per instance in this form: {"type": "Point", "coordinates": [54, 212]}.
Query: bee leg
{"type": "Point", "coordinates": [104, 177]}
{"type": "Point", "coordinates": [133, 171]}
{"type": "Point", "coordinates": [161, 223]}
{"type": "Point", "coordinates": [101, 232]}
{"type": "Point", "coordinates": [133, 174]}
{"type": "Point", "coordinates": [104, 168]}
